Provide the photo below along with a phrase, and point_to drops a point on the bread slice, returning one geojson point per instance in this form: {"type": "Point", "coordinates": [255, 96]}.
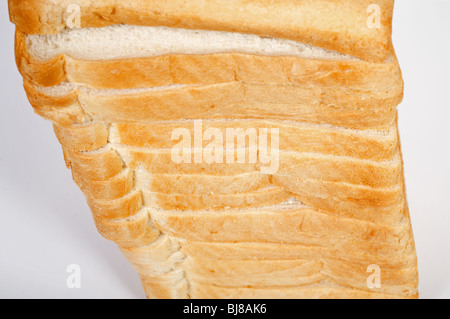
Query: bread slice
{"type": "Point", "coordinates": [334, 106]}
{"type": "Point", "coordinates": [120, 208]}
{"type": "Point", "coordinates": [282, 251]}
{"type": "Point", "coordinates": [265, 196]}
{"type": "Point", "coordinates": [339, 26]}
{"type": "Point", "coordinates": [293, 136]}
{"type": "Point", "coordinates": [292, 224]}
{"type": "Point", "coordinates": [101, 164]}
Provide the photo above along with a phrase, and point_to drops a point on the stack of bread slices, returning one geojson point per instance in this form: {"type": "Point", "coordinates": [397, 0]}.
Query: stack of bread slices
{"type": "Point", "coordinates": [137, 79]}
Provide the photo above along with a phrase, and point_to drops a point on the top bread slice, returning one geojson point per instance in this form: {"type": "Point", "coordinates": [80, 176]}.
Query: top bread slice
{"type": "Point", "coordinates": [343, 26]}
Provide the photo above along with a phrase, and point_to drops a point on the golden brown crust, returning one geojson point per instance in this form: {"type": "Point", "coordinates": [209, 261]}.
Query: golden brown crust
{"type": "Point", "coordinates": [276, 251]}
{"type": "Point", "coordinates": [231, 100]}
{"type": "Point", "coordinates": [198, 184]}
{"type": "Point", "coordinates": [292, 137]}
{"type": "Point", "coordinates": [113, 188]}
{"type": "Point", "coordinates": [276, 225]}
{"type": "Point", "coordinates": [119, 208]}
{"type": "Point", "coordinates": [243, 101]}
{"type": "Point", "coordinates": [84, 137]}
{"type": "Point", "coordinates": [258, 198]}
{"type": "Point", "coordinates": [132, 231]}
{"type": "Point", "coordinates": [95, 166]}
{"type": "Point", "coordinates": [334, 25]}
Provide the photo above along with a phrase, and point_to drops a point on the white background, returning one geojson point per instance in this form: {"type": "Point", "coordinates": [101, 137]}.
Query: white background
{"type": "Point", "coordinates": [46, 225]}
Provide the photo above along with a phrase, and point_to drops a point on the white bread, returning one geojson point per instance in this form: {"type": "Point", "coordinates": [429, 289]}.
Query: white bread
{"type": "Point", "coordinates": [129, 42]}
{"type": "Point", "coordinates": [333, 25]}
{"type": "Point", "coordinates": [118, 87]}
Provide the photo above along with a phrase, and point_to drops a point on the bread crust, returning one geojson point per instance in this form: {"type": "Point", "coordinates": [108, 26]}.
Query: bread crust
{"type": "Point", "coordinates": [95, 166]}
{"type": "Point", "coordinates": [284, 251]}
{"type": "Point", "coordinates": [258, 198]}
{"type": "Point", "coordinates": [231, 100]}
{"type": "Point", "coordinates": [293, 136]}
{"type": "Point", "coordinates": [119, 208]}
{"type": "Point", "coordinates": [84, 137]}
{"type": "Point", "coordinates": [278, 225]}
{"type": "Point", "coordinates": [113, 188]}
{"type": "Point", "coordinates": [133, 231]}
{"type": "Point", "coordinates": [325, 167]}
{"type": "Point", "coordinates": [335, 25]}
